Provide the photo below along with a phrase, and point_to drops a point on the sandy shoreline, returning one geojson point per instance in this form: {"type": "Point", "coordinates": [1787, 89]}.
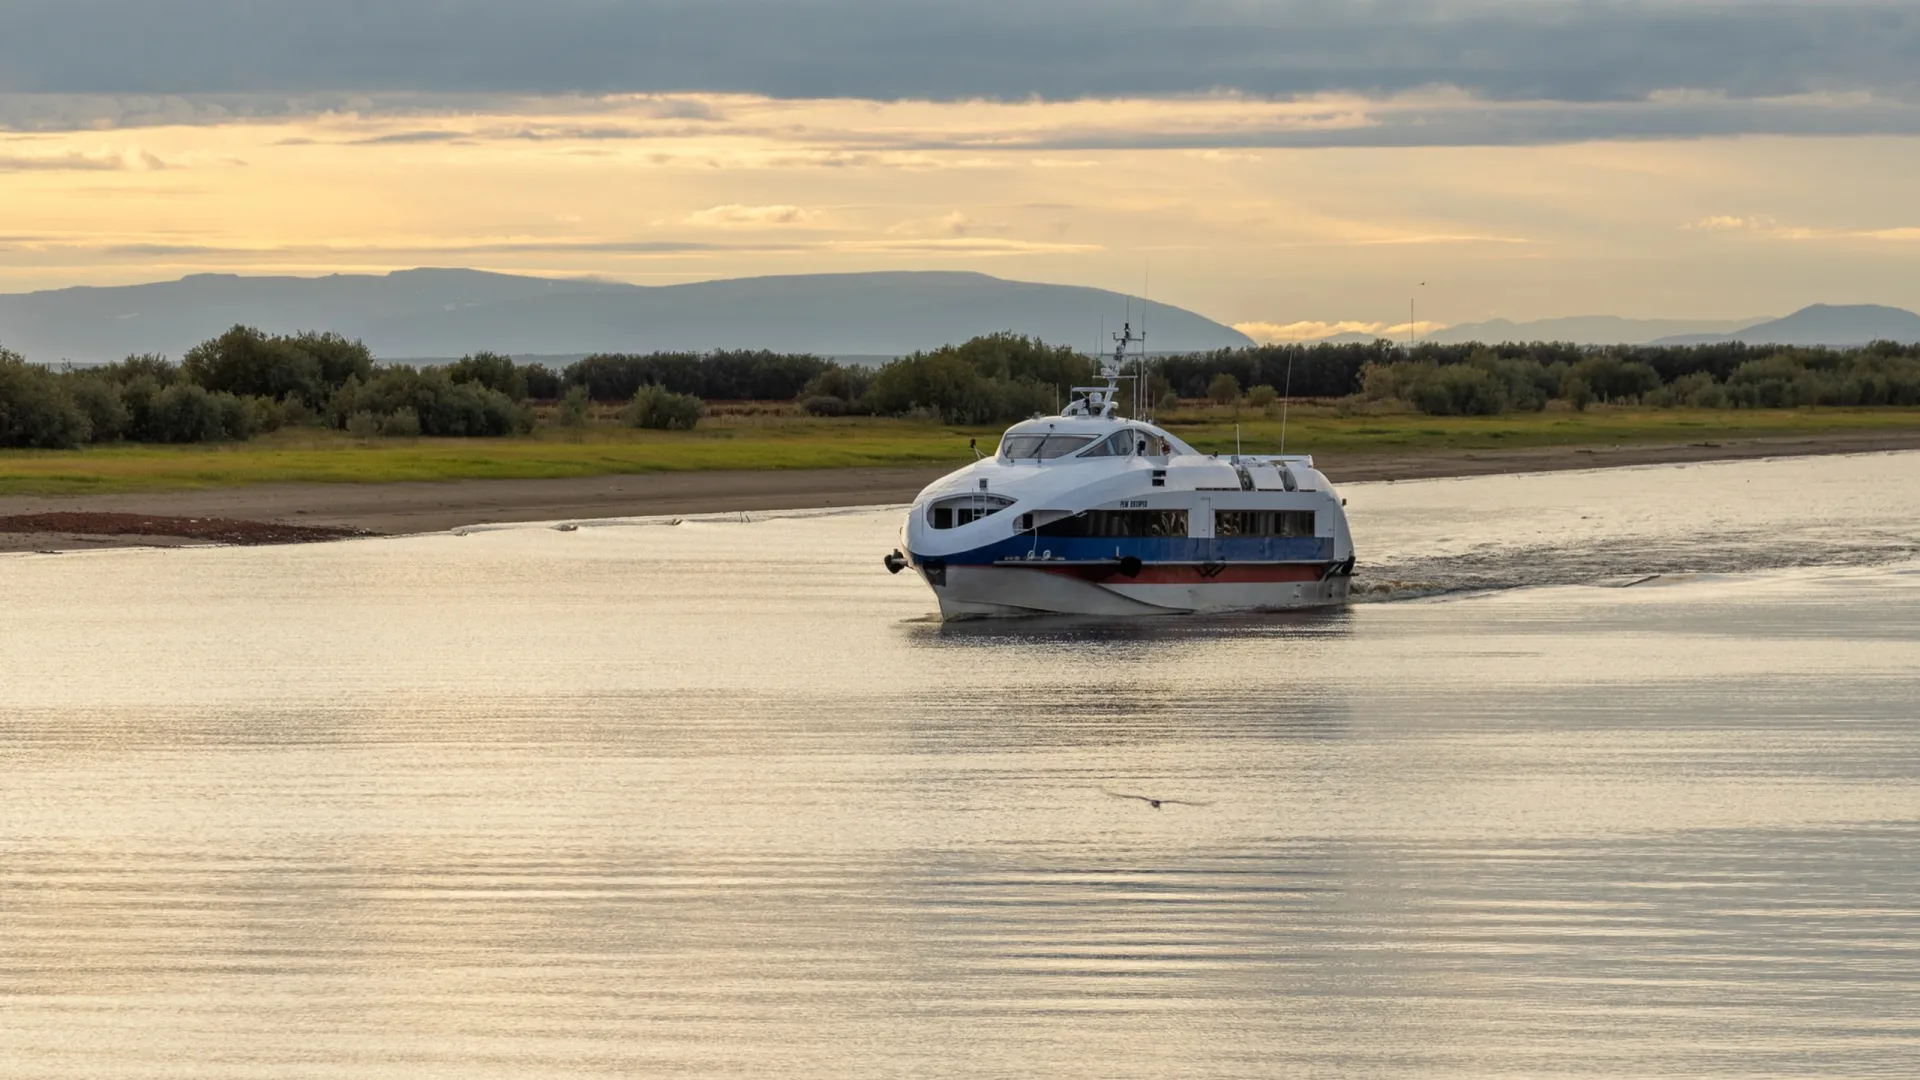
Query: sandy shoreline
{"type": "Point", "coordinates": [402, 508]}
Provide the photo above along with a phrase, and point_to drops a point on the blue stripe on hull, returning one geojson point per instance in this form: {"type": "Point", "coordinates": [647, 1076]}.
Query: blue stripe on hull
{"type": "Point", "coordinates": [1148, 550]}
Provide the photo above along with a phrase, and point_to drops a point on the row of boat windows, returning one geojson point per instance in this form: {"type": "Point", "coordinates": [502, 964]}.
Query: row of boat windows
{"type": "Point", "coordinates": [1124, 443]}
{"type": "Point", "coordinates": [1263, 523]}
{"type": "Point", "coordinates": [1137, 523]}
{"type": "Point", "coordinates": [1116, 523]}
{"type": "Point", "coordinates": [1168, 523]}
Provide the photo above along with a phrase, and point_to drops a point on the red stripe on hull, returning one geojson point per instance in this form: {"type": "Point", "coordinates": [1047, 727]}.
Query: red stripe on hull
{"type": "Point", "coordinates": [1216, 574]}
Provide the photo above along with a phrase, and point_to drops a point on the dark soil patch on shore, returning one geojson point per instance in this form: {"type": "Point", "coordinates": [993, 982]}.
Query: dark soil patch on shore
{"type": "Point", "coordinates": [209, 530]}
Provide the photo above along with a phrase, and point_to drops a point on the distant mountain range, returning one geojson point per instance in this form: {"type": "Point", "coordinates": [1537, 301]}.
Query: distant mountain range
{"type": "Point", "coordinates": [415, 313]}
{"type": "Point", "coordinates": [1586, 330]}
{"type": "Point", "coordinates": [1821, 324]}
{"type": "Point", "coordinates": [447, 313]}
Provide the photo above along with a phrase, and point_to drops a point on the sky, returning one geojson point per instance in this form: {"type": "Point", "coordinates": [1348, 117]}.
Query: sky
{"type": "Point", "coordinates": [1292, 168]}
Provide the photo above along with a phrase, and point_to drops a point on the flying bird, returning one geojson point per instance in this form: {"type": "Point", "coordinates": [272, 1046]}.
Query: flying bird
{"type": "Point", "coordinates": [1153, 802]}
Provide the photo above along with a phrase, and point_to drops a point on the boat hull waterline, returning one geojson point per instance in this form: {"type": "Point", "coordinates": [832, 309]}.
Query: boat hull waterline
{"type": "Point", "coordinates": [980, 592]}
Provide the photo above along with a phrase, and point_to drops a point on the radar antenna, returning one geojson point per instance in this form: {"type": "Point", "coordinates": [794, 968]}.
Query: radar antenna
{"type": "Point", "coordinates": [1102, 400]}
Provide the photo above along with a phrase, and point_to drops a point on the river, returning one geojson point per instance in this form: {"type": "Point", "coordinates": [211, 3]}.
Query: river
{"type": "Point", "coordinates": [1608, 774]}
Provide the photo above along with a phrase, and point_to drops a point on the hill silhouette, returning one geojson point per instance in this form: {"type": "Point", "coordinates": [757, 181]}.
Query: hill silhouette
{"type": "Point", "coordinates": [449, 312]}
{"type": "Point", "coordinates": [1820, 324]}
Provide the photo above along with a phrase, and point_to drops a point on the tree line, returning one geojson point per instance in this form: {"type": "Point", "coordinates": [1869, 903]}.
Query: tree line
{"type": "Point", "coordinates": [1746, 375]}
{"type": "Point", "coordinates": [246, 382]}
{"type": "Point", "coordinates": [1005, 377]}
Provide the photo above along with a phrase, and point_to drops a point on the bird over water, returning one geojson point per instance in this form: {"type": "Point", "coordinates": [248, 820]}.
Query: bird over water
{"type": "Point", "coordinates": [1152, 801]}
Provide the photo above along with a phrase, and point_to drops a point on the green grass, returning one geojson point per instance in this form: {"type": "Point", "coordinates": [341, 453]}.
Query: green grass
{"type": "Point", "coordinates": [311, 456]}
{"type": "Point", "coordinates": [1319, 431]}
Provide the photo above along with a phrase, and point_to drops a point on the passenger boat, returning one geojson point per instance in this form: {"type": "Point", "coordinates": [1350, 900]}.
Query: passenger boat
{"type": "Point", "coordinates": [1094, 513]}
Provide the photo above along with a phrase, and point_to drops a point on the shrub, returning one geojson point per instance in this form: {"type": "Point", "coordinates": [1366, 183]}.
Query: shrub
{"type": "Point", "coordinates": [338, 357]}
{"type": "Point", "coordinates": [664, 410]}
{"type": "Point", "coordinates": [1577, 392]}
{"type": "Point", "coordinates": [574, 409]}
{"type": "Point", "coordinates": [101, 403]}
{"type": "Point", "coordinates": [35, 409]}
{"type": "Point", "coordinates": [1262, 396]}
{"type": "Point", "coordinates": [296, 413]}
{"type": "Point", "coordinates": [1459, 390]}
{"type": "Point", "coordinates": [824, 405]}
{"type": "Point", "coordinates": [1010, 357]}
{"type": "Point", "coordinates": [187, 413]}
{"type": "Point", "coordinates": [845, 383]}
{"type": "Point", "coordinates": [998, 377]}
{"type": "Point", "coordinates": [363, 425]}
{"type": "Point", "coordinates": [757, 375]}
{"type": "Point", "coordinates": [542, 382]}
{"type": "Point", "coordinates": [402, 422]}
{"type": "Point", "coordinates": [442, 406]}
{"type": "Point", "coordinates": [491, 370]}
{"type": "Point", "coordinates": [1524, 383]}
{"type": "Point", "coordinates": [940, 381]}
{"type": "Point", "coordinates": [1224, 389]}
{"type": "Point", "coordinates": [471, 410]}
{"type": "Point", "coordinates": [1303, 370]}
{"type": "Point", "coordinates": [162, 371]}
{"type": "Point", "coordinates": [245, 361]}
{"type": "Point", "coordinates": [1698, 390]}
{"type": "Point", "coordinates": [239, 417]}
{"type": "Point", "coordinates": [1168, 402]}
{"type": "Point", "coordinates": [1615, 380]}
{"type": "Point", "coordinates": [719, 376]}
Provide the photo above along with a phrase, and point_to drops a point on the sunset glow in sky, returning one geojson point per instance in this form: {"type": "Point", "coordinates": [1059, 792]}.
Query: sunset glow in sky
{"type": "Point", "coordinates": [1293, 173]}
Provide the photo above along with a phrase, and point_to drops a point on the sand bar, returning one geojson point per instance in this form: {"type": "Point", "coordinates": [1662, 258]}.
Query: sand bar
{"type": "Point", "coordinates": [401, 508]}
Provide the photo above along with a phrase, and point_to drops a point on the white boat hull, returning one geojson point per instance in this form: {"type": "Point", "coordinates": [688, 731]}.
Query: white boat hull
{"type": "Point", "coordinates": [974, 592]}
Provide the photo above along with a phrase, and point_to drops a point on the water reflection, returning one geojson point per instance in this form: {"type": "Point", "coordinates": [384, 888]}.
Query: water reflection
{"type": "Point", "coordinates": [1077, 631]}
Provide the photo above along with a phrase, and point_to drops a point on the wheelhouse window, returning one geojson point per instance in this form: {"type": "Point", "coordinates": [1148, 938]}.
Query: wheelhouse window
{"type": "Point", "coordinates": [1119, 444]}
{"type": "Point", "coordinates": [1263, 523]}
{"type": "Point", "coordinates": [1119, 523]}
{"type": "Point", "coordinates": [965, 510]}
{"type": "Point", "coordinates": [1041, 447]}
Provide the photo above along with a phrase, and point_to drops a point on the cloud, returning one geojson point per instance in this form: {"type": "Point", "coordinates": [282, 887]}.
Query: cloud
{"type": "Point", "coordinates": [1767, 227]}
{"type": "Point", "coordinates": [954, 223]}
{"type": "Point", "coordinates": [403, 138]}
{"type": "Point", "coordinates": [1272, 333]}
{"type": "Point", "coordinates": [132, 159]}
{"type": "Point", "coordinates": [1442, 238]}
{"type": "Point", "coordinates": [1723, 223]}
{"type": "Point", "coordinates": [736, 216]}
{"type": "Point", "coordinates": [840, 132]}
{"type": "Point", "coordinates": [960, 246]}
{"type": "Point", "coordinates": [458, 248]}
{"type": "Point", "coordinates": [1569, 50]}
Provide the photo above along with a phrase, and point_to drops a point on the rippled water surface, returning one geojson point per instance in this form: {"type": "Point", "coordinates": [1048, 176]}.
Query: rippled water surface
{"type": "Point", "coordinates": [716, 799]}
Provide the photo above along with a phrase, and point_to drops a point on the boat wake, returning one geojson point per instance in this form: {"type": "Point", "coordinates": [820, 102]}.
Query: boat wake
{"type": "Point", "coordinates": [1624, 562]}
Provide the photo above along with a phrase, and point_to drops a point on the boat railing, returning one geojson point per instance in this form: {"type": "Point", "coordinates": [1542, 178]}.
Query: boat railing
{"type": "Point", "coordinates": [1276, 459]}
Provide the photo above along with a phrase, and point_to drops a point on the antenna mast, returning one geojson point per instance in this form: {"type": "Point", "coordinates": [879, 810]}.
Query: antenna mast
{"type": "Point", "coordinates": [1286, 401]}
{"type": "Point", "coordinates": [1140, 388]}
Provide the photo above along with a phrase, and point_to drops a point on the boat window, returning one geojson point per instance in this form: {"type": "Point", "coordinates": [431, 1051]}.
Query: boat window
{"type": "Point", "coordinates": [1042, 447]}
{"type": "Point", "coordinates": [1113, 523]}
{"type": "Point", "coordinates": [1119, 444]}
{"type": "Point", "coordinates": [965, 510]}
{"type": "Point", "coordinates": [1263, 523]}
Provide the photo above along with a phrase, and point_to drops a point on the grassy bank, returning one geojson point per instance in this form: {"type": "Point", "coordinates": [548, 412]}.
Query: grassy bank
{"type": "Point", "coordinates": [791, 442]}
